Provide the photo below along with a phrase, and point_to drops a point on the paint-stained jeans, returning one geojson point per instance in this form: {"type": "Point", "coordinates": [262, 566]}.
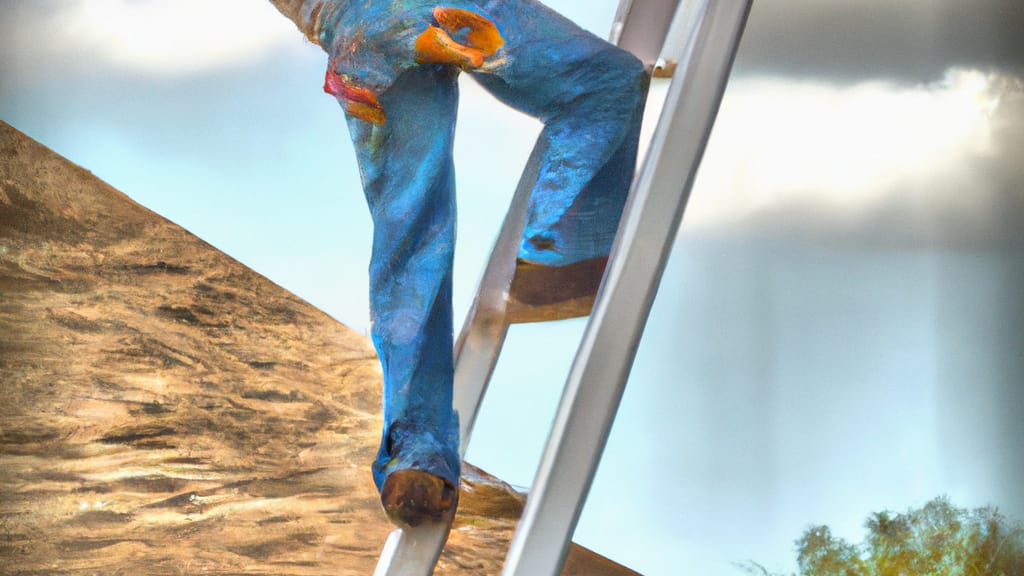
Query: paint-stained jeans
{"type": "Point", "coordinates": [587, 93]}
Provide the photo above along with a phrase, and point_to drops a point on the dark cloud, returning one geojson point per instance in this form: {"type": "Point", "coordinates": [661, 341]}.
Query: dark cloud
{"type": "Point", "coordinates": [907, 40]}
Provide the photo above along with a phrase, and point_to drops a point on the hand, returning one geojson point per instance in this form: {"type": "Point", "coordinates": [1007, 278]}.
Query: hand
{"type": "Point", "coordinates": [436, 46]}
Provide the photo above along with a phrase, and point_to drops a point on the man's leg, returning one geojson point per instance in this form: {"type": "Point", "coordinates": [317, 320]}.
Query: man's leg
{"type": "Point", "coordinates": [408, 178]}
{"type": "Point", "coordinates": [589, 156]}
{"type": "Point", "coordinates": [564, 250]}
{"type": "Point", "coordinates": [589, 94]}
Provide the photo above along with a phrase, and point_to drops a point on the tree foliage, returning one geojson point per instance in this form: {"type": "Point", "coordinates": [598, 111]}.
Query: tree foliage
{"type": "Point", "coordinates": [937, 539]}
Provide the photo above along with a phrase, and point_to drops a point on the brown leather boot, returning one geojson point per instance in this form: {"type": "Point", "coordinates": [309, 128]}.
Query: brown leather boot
{"type": "Point", "coordinates": [412, 497]}
{"type": "Point", "coordinates": [541, 293]}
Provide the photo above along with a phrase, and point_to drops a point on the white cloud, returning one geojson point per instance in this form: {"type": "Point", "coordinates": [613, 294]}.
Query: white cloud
{"type": "Point", "coordinates": [846, 150]}
{"type": "Point", "coordinates": [173, 36]}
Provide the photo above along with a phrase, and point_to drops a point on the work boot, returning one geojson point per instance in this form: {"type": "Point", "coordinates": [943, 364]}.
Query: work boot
{"type": "Point", "coordinates": [412, 497]}
{"type": "Point", "coordinates": [542, 293]}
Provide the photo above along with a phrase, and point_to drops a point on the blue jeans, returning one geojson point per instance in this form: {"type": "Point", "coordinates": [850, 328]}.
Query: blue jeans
{"type": "Point", "coordinates": [589, 95]}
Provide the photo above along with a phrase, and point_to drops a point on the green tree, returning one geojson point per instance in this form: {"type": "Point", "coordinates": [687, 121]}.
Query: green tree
{"type": "Point", "coordinates": [937, 539]}
{"type": "Point", "coordinates": [821, 554]}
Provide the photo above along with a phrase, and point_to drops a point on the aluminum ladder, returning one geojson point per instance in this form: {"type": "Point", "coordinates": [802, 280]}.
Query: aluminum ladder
{"type": "Point", "coordinates": [710, 31]}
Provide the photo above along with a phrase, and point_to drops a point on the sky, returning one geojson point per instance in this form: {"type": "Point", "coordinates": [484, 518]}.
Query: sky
{"type": "Point", "coordinates": [839, 330]}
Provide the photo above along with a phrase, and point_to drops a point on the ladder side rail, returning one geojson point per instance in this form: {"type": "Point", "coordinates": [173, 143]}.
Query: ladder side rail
{"type": "Point", "coordinates": [605, 356]}
{"type": "Point", "coordinates": [483, 333]}
{"type": "Point", "coordinates": [412, 551]}
{"type": "Point", "coordinates": [641, 27]}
